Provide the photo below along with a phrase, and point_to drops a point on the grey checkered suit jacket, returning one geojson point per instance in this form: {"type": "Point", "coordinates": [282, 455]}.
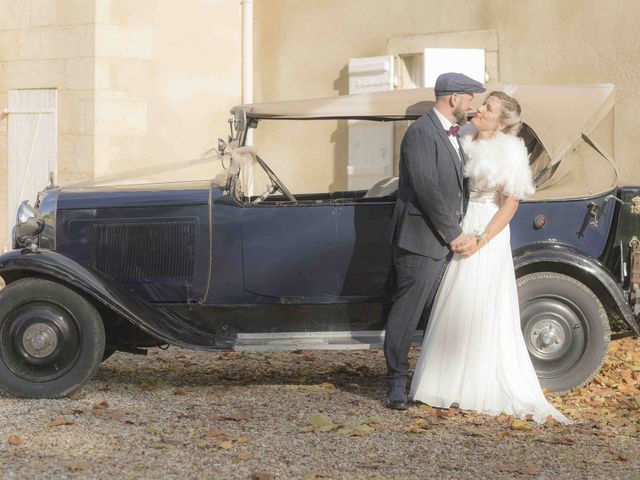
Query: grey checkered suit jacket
{"type": "Point", "coordinates": [432, 193]}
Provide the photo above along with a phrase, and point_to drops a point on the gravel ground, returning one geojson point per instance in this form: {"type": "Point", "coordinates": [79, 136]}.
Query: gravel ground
{"type": "Point", "coordinates": [306, 415]}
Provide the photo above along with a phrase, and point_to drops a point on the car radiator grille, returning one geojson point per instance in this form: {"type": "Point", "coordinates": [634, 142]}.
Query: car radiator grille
{"type": "Point", "coordinates": [145, 250]}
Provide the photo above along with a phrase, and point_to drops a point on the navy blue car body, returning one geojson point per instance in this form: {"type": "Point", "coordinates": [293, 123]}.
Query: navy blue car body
{"type": "Point", "coordinates": [198, 265]}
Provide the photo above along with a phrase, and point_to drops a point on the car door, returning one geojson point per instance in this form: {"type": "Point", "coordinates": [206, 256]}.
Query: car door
{"type": "Point", "coordinates": [289, 251]}
{"type": "Point", "coordinates": [364, 250]}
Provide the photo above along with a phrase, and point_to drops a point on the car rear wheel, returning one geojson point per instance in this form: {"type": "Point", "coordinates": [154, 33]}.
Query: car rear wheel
{"type": "Point", "coordinates": [565, 328]}
{"type": "Point", "coordinates": [51, 339]}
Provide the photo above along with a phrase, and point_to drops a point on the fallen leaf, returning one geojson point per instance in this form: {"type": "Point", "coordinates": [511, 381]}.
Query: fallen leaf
{"type": "Point", "coordinates": [243, 455]}
{"type": "Point", "coordinates": [362, 430]}
{"type": "Point", "coordinates": [179, 391]}
{"type": "Point", "coordinates": [226, 445]}
{"type": "Point", "coordinates": [57, 422]}
{"type": "Point", "coordinates": [319, 420]}
{"type": "Point", "coordinates": [147, 384]}
{"type": "Point", "coordinates": [564, 440]}
{"type": "Point", "coordinates": [520, 425]}
{"type": "Point", "coordinates": [115, 416]}
{"type": "Point", "coordinates": [327, 386]}
{"type": "Point", "coordinates": [214, 433]}
{"type": "Point", "coordinates": [14, 440]}
{"type": "Point", "coordinates": [103, 405]}
{"type": "Point", "coordinates": [531, 469]}
{"type": "Point", "coordinates": [620, 457]}
{"type": "Point", "coordinates": [327, 428]}
{"type": "Point", "coordinates": [159, 446]}
{"type": "Point", "coordinates": [507, 467]}
{"type": "Point", "coordinates": [170, 441]}
{"type": "Point", "coordinates": [79, 466]}
{"type": "Point", "coordinates": [235, 417]}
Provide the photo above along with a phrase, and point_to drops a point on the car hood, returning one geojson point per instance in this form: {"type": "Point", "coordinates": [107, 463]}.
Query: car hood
{"type": "Point", "coordinates": [155, 194]}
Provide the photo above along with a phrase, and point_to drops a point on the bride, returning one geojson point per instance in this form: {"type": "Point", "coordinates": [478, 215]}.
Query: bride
{"type": "Point", "coordinates": [473, 353]}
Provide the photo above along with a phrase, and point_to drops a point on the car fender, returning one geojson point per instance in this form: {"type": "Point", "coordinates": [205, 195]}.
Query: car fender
{"type": "Point", "coordinates": [158, 322]}
{"type": "Point", "coordinates": [525, 258]}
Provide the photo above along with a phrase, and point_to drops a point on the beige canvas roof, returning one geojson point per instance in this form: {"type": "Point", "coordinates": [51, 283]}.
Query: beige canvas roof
{"type": "Point", "coordinates": [574, 125]}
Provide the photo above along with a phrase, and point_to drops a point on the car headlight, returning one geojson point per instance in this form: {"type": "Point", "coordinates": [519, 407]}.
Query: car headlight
{"type": "Point", "coordinates": [29, 225]}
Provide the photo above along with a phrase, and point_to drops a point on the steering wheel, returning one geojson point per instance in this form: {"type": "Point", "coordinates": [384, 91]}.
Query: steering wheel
{"type": "Point", "coordinates": [276, 183]}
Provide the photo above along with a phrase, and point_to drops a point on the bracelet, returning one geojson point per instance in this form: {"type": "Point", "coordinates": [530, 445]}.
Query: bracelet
{"type": "Point", "coordinates": [482, 237]}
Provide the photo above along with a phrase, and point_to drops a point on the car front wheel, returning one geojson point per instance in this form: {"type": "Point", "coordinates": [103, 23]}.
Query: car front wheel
{"type": "Point", "coordinates": [51, 339]}
{"type": "Point", "coordinates": [565, 328]}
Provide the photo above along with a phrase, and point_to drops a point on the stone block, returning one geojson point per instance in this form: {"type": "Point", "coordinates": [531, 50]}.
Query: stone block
{"type": "Point", "coordinates": [73, 12]}
{"type": "Point", "coordinates": [103, 70]}
{"type": "Point", "coordinates": [29, 44]}
{"type": "Point", "coordinates": [80, 74]}
{"type": "Point", "coordinates": [65, 42]}
{"type": "Point", "coordinates": [120, 153]}
{"type": "Point", "coordinates": [118, 117]}
{"type": "Point", "coordinates": [129, 75]}
{"type": "Point", "coordinates": [9, 46]}
{"type": "Point", "coordinates": [34, 74]}
{"type": "Point", "coordinates": [69, 112]}
{"type": "Point", "coordinates": [75, 155]}
{"type": "Point", "coordinates": [124, 42]}
{"type": "Point", "coordinates": [125, 12]}
{"type": "Point", "coordinates": [43, 12]}
{"type": "Point", "coordinates": [14, 14]}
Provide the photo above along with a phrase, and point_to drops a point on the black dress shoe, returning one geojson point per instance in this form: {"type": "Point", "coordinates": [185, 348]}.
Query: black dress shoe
{"type": "Point", "coordinates": [397, 398]}
{"type": "Point", "coordinates": [397, 404]}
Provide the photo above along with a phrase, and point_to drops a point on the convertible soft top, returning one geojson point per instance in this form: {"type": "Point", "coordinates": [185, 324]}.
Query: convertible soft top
{"type": "Point", "coordinates": [572, 123]}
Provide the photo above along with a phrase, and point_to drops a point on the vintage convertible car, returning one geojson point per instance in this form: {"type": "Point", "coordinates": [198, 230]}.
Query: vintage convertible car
{"type": "Point", "coordinates": [203, 265]}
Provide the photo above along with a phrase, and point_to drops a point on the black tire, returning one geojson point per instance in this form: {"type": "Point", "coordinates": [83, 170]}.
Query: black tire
{"type": "Point", "coordinates": [565, 328]}
{"type": "Point", "coordinates": [51, 339]}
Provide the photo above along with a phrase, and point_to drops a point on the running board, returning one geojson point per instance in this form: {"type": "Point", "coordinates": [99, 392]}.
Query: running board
{"type": "Point", "coordinates": [286, 341]}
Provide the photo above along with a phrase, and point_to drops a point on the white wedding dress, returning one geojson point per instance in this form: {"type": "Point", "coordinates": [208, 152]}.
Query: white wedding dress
{"type": "Point", "coordinates": [473, 352]}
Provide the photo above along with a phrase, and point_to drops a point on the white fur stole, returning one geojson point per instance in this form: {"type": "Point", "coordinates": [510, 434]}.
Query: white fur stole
{"type": "Point", "coordinates": [499, 162]}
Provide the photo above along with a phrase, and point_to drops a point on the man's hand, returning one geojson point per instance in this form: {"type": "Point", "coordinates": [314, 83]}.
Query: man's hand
{"type": "Point", "coordinates": [463, 243]}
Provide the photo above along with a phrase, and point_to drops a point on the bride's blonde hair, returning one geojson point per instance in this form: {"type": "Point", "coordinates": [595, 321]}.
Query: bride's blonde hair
{"type": "Point", "coordinates": [511, 112]}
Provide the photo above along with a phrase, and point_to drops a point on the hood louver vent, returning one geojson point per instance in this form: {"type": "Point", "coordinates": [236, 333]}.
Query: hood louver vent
{"type": "Point", "coordinates": [145, 250]}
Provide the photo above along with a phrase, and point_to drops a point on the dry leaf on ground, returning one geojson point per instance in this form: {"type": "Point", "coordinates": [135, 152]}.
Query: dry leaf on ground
{"type": "Point", "coordinates": [58, 422]}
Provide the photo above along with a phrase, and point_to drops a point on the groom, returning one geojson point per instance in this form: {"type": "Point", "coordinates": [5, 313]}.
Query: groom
{"type": "Point", "coordinates": [432, 199]}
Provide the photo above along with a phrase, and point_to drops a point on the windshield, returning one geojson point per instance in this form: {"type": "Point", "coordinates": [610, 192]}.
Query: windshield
{"type": "Point", "coordinates": [327, 155]}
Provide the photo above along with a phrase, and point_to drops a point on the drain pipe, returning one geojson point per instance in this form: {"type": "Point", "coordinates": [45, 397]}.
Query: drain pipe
{"type": "Point", "coordinates": [247, 79]}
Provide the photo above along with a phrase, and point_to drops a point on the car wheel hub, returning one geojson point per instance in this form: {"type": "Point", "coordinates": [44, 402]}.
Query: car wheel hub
{"type": "Point", "coordinates": [547, 336]}
{"type": "Point", "coordinates": [39, 340]}
{"type": "Point", "coordinates": [554, 330]}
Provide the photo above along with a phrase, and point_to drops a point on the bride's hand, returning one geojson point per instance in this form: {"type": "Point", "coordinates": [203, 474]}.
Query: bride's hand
{"type": "Point", "coordinates": [472, 247]}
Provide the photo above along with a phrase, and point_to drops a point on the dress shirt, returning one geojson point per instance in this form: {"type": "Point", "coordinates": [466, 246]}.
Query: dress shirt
{"type": "Point", "coordinates": [446, 124]}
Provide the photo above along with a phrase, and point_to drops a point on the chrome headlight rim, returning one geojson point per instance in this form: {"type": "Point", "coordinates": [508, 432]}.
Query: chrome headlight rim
{"type": "Point", "coordinates": [29, 224]}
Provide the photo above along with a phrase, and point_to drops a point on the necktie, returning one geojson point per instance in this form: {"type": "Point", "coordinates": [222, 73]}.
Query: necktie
{"type": "Point", "coordinates": [453, 130]}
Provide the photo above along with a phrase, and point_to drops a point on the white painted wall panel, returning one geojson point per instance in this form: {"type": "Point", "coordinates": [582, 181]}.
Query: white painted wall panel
{"type": "Point", "coordinates": [33, 142]}
{"type": "Point", "coordinates": [470, 61]}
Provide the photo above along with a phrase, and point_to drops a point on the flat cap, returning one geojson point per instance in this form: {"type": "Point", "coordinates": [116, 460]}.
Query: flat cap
{"type": "Point", "coordinates": [451, 82]}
